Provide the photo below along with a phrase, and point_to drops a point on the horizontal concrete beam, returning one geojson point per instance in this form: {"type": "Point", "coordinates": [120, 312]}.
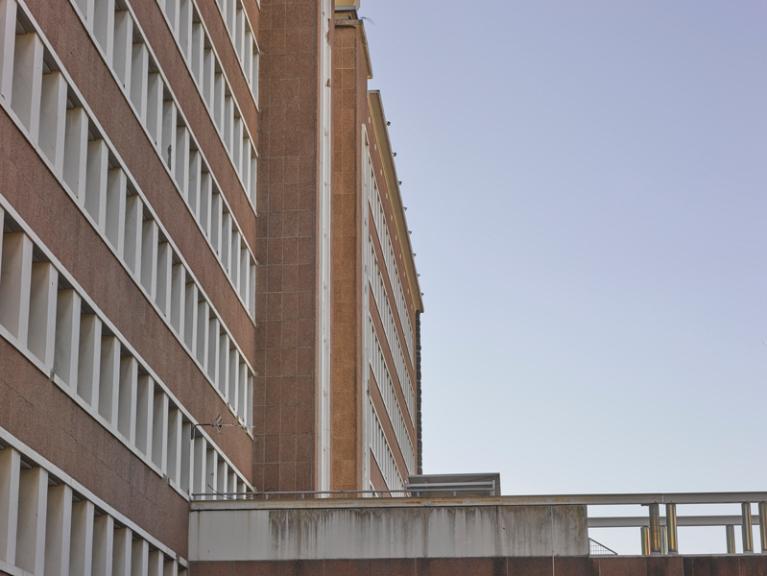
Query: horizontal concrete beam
{"type": "Point", "coordinates": [240, 533]}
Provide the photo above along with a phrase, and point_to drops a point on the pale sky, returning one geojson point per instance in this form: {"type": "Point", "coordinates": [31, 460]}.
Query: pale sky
{"type": "Point", "coordinates": [586, 182]}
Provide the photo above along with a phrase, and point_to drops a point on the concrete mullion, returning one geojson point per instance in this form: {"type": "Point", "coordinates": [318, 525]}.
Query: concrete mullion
{"type": "Point", "coordinates": [156, 563]}
{"type": "Point", "coordinates": [81, 544]}
{"type": "Point", "coordinates": [67, 336]}
{"type": "Point", "coordinates": [53, 115]}
{"type": "Point", "coordinates": [109, 379]}
{"type": "Point", "coordinates": [103, 545]}
{"type": "Point", "coordinates": [213, 356]}
{"type": "Point", "coordinates": [139, 557]}
{"type": "Point", "coordinates": [122, 553]}
{"type": "Point", "coordinates": [182, 169]}
{"type": "Point", "coordinates": [234, 378]}
{"type": "Point", "coordinates": [160, 429]}
{"type": "Point", "coordinates": [253, 178]}
{"type": "Point", "coordinates": [41, 339]}
{"type": "Point", "coordinates": [89, 359]}
{"type": "Point", "coordinates": [178, 292]}
{"type": "Point", "coordinates": [139, 77]}
{"type": "Point", "coordinates": [226, 242]}
{"type": "Point", "coordinates": [174, 445]}
{"type": "Point", "coordinates": [184, 35]}
{"type": "Point", "coordinates": [7, 47]}
{"type": "Point", "coordinates": [134, 222]}
{"type": "Point", "coordinates": [144, 414]}
{"type": "Point", "coordinates": [206, 193]}
{"type": "Point", "coordinates": [211, 468]}
{"type": "Point", "coordinates": [187, 457]}
{"type": "Point", "coordinates": [96, 181]}
{"type": "Point", "coordinates": [76, 151]}
{"type": "Point", "coordinates": [200, 459]}
{"type": "Point", "coordinates": [190, 319]}
{"type": "Point", "coordinates": [168, 145]}
{"type": "Point", "coordinates": [234, 257]}
{"type": "Point", "coordinates": [170, 568]}
{"type": "Point", "coordinates": [10, 469]}
{"type": "Point", "coordinates": [193, 182]}
{"type": "Point", "coordinates": [223, 364]}
{"type": "Point", "coordinates": [203, 315]}
{"type": "Point", "coordinates": [235, 152]}
{"type": "Point", "coordinates": [208, 83]}
{"type": "Point", "coordinates": [222, 477]}
{"type": "Point", "coordinates": [30, 535]}
{"type": "Point", "coordinates": [219, 97]}
{"type": "Point", "coordinates": [27, 81]}
{"type": "Point", "coordinates": [155, 89]}
{"type": "Point", "coordinates": [123, 47]}
{"type": "Point", "coordinates": [216, 217]}
{"type": "Point", "coordinates": [228, 130]}
{"type": "Point", "coordinates": [249, 402]}
{"type": "Point", "coordinates": [15, 284]}
{"type": "Point", "coordinates": [127, 405]}
{"type": "Point", "coordinates": [104, 27]}
{"type": "Point", "coordinates": [117, 189]}
{"type": "Point", "coordinates": [57, 530]}
{"type": "Point", "coordinates": [149, 237]}
{"type": "Point", "coordinates": [164, 278]}
{"type": "Point", "coordinates": [197, 53]}
{"type": "Point", "coordinates": [242, 392]}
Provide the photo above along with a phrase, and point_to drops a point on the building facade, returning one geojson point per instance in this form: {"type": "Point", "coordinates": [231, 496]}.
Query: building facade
{"type": "Point", "coordinates": [206, 282]}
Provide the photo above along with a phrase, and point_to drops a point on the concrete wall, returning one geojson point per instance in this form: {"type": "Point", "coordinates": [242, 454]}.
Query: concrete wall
{"type": "Point", "coordinates": [246, 533]}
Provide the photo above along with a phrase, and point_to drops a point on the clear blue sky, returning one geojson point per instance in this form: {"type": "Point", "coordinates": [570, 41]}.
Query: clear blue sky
{"type": "Point", "coordinates": [587, 189]}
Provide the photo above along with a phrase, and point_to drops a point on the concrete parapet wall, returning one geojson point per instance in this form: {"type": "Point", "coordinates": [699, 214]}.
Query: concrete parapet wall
{"type": "Point", "coordinates": [252, 532]}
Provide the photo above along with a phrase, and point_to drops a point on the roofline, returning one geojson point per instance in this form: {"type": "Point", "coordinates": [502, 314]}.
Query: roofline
{"type": "Point", "coordinates": [346, 15]}
{"type": "Point", "coordinates": [390, 173]}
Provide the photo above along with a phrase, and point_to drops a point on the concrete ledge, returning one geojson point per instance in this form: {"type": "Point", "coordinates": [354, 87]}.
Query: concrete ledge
{"type": "Point", "coordinates": [237, 532]}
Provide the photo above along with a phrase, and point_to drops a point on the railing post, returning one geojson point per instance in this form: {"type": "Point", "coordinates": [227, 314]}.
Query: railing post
{"type": "Point", "coordinates": [763, 525]}
{"type": "Point", "coordinates": [645, 535]}
{"type": "Point", "coordinates": [655, 534]}
{"type": "Point", "coordinates": [730, 534]}
{"type": "Point", "coordinates": [748, 532]}
{"type": "Point", "coordinates": [671, 530]}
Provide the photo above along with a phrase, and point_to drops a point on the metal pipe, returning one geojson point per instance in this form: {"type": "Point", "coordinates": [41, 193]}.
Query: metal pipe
{"type": "Point", "coordinates": [748, 532]}
{"type": "Point", "coordinates": [730, 532]}
{"type": "Point", "coordinates": [645, 536]}
{"type": "Point", "coordinates": [763, 525]}
{"type": "Point", "coordinates": [671, 529]}
{"type": "Point", "coordinates": [655, 535]}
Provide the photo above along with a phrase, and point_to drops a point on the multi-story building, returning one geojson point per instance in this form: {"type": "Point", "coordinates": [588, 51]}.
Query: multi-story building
{"type": "Point", "coordinates": [206, 282]}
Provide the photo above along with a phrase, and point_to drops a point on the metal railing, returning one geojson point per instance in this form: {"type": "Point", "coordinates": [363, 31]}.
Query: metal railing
{"type": "Point", "coordinates": [599, 549]}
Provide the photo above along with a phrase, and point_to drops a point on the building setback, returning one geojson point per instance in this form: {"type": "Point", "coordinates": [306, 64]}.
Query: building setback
{"type": "Point", "coordinates": [206, 281]}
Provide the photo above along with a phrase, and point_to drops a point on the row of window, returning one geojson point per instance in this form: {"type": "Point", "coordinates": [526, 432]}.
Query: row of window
{"type": "Point", "coordinates": [46, 315]}
{"type": "Point", "coordinates": [125, 52]}
{"type": "Point", "coordinates": [243, 39]}
{"type": "Point", "coordinates": [192, 38]}
{"type": "Point", "coordinates": [52, 527]}
{"type": "Point", "coordinates": [386, 387]}
{"type": "Point", "coordinates": [379, 219]}
{"type": "Point", "coordinates": [382, 452]}
{"type": "Point", "coordinates": [390, 330]}
{"type": "Point", "coordinates": [53, 118]}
